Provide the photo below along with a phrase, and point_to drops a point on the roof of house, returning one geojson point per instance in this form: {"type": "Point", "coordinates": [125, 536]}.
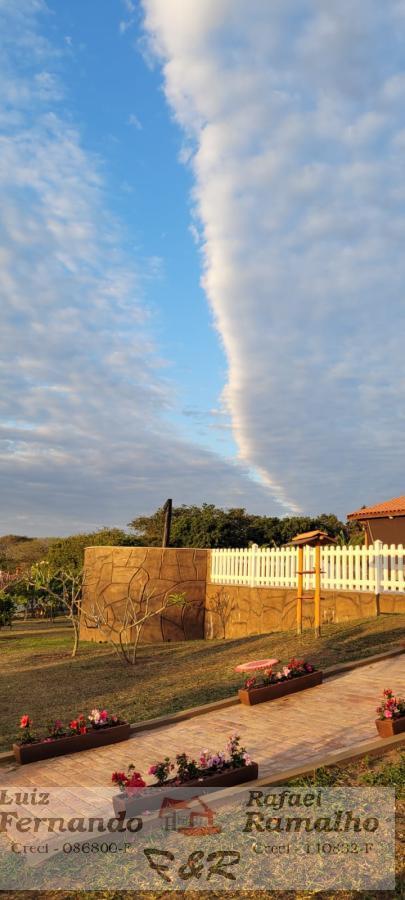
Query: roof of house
{"type": "Point", "coordinates": [394, 507]}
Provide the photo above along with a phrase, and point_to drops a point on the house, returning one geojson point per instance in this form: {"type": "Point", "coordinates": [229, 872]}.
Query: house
{"type": "Point", "coordinates": [383, 522]}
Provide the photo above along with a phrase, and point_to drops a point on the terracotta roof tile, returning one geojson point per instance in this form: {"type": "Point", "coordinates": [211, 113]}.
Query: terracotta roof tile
{"type": "Point", "coordinates": [394, 507]}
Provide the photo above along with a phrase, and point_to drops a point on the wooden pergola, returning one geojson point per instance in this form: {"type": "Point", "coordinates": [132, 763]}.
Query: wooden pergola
{"type": "Point", "coordinates": [315, 539]}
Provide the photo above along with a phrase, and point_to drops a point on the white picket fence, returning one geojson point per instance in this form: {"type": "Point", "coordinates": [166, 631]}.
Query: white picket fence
{"type": "Point", "coordinates": [375, 569]}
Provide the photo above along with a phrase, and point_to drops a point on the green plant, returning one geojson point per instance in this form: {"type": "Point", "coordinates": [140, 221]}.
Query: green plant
{"type": "Point", "coordinates": [391, 774]}
{"type": "Point", "coordinates": [186, 768]}
{"type": "Point", "coordinates": [7, 609]}
{"type": "Point", "coordinates": [161, 770]}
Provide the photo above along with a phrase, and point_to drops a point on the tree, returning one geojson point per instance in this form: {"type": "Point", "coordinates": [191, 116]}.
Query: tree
{"type": "Point", "coordinates": [61, 587]}
{"type": "Point", "coordinates": [20, 552]}
{"type": "Point", "coordinates": [8, 582]}
{"type": "Point", "coordinates": [210, 526]}
{"type": "Point", "coordinates": [135, 615]}
{"type": "Point", "coordinates": [68, 553]}
{"type": "Point", "coordinates": [7, 609]}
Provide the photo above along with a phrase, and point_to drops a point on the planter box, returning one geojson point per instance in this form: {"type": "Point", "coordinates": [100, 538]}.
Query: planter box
{"type": "Point", "coordinates": [274, 691]}
{"type": "Point", "coordinates": [97, 737]}
{"type": "Point", "coordinates": [151, 798]}
{"type": "Point", "coordinates": [388, 727]}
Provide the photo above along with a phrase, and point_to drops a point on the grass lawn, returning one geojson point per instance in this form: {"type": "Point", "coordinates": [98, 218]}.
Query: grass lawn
{"type": "Point", "coordinates": [38, 677]}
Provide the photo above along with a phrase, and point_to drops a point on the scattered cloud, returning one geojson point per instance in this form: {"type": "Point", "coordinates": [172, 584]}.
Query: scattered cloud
{"type": "Point", "coordinates": [84, 436]}
{"type": "Point", "coordinates": [133, 120]}
{"type": "Point", "coordinates": [129, 22]}
{"type": "Point", "coordinates": [295, 112]}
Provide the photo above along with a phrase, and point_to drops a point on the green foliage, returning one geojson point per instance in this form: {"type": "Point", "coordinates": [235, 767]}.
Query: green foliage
{"type": "Point", "coordinates": [209, 526]}
{"type": "Point", "coordinates": [392, 774]}
{"type": "Point", "coordinates": [69, 552]}
{"type": "Point", "coordinates": [7, 609]}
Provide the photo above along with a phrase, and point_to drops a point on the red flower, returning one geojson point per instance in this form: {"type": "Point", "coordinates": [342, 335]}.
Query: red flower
{"type": "Point", "coordinates": [83, 729]}
{"type": "Point", "coordinates": [74, 724]}
{"type": "Point", "coordinates": [119, 778]}
{"type": "Point", "coordinates": [134, 783]}
{"type": "Point", "coordinates": [25, 722]}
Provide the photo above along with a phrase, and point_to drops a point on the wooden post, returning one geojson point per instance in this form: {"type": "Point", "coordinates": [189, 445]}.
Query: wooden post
{"type": "Point", "coordinates": [317, 597]}
{"type": "Point", "coordinates": [167, 509]}
{"type": "Point", "coordinates": [300, 587]}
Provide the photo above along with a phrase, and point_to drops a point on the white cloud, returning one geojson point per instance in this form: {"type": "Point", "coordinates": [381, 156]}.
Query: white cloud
{"type": "Point", "coordinates": [295, 111]}
{"type": "Point", "coordinates": [133, 120]}
{"type": "Point", "coordinates": [84, 438]}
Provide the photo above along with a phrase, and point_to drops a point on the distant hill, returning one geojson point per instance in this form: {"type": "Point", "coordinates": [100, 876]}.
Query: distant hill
{"type": "Point", "coordinates": [20, 550]}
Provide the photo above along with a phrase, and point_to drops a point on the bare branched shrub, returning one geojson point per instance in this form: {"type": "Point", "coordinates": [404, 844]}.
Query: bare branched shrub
{"type": "Point", "coordinates": [124, 632]}
{"type": "Point", "coordinates": [223, 606]}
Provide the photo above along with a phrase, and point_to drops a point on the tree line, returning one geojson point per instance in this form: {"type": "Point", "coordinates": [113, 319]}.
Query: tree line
{"type": "Point", "coordinates": [39, 575]}
{"type": "Point", "coordinates": [192, 526]}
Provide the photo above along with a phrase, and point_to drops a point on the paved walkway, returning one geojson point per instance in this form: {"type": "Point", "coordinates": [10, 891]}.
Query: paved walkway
{"type": "Point", "coordinates": [285, 733]}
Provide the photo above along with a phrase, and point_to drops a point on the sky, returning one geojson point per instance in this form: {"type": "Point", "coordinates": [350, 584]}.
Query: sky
{"type": "Point", "coordinates": [202, 222]}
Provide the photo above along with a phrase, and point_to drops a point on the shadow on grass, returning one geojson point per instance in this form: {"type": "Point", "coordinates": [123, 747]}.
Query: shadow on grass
{"type": "Point", "coordinates": [359, 645]}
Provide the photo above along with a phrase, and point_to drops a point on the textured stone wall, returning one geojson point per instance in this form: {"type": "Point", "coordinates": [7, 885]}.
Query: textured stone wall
{"type": "Point", "coordinates": [261, 610]}
{"type": "Point", "coordinates": [113, 574]}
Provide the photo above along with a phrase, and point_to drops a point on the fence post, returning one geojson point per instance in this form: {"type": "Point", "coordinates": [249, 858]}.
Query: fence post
{"type": "Point", "coordinates": [378, 569]}
{"type": "Point", "coordinates": [317, 595]}
{"type": "Point", "coordinates": [300, 586]}
{"type": "Point", "coordinates": [253, 565]}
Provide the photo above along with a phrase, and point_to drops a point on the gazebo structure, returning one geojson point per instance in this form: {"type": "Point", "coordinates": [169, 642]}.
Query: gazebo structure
{"type": "Point", "coordinates": [315, 539]}
{"type": "Point", "coordinates": [383, 522]}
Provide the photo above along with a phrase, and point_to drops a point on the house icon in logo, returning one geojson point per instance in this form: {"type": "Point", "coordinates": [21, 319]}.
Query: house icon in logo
{"type": "Point", "coordinates": [191, 817]}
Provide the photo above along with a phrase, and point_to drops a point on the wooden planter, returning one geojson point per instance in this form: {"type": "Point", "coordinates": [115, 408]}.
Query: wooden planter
{"type": "Point", "coordinates": [151, 797]}
{"type": "Point", "coordinates": [388, 727]}
{"type": "Point", "coordinates": [274, 691]}
{"type": "Point", "coordinates": [97, 737]}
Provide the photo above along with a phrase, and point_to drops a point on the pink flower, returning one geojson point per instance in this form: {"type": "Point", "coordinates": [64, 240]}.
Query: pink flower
{"type": "Point", "coordinates": [103, 715]}
{"type": "Point", "coordinates": [152, 770]}
{"type": "Point", "coordinates": [388, 714]}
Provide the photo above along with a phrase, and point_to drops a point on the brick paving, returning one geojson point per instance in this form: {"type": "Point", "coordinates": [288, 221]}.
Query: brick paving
{"type": "Point", "coordinates": [282, 734]}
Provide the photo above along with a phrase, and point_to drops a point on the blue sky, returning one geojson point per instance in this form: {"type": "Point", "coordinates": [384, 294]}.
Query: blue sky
{"type": "Point", "coordinates": [202, 228]}
{"type": "Point", "coordinates": [116, 99]}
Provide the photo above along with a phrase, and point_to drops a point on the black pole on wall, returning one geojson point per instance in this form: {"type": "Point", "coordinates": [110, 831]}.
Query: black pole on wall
{"type": "Point", "coordinates": [167, 509]}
